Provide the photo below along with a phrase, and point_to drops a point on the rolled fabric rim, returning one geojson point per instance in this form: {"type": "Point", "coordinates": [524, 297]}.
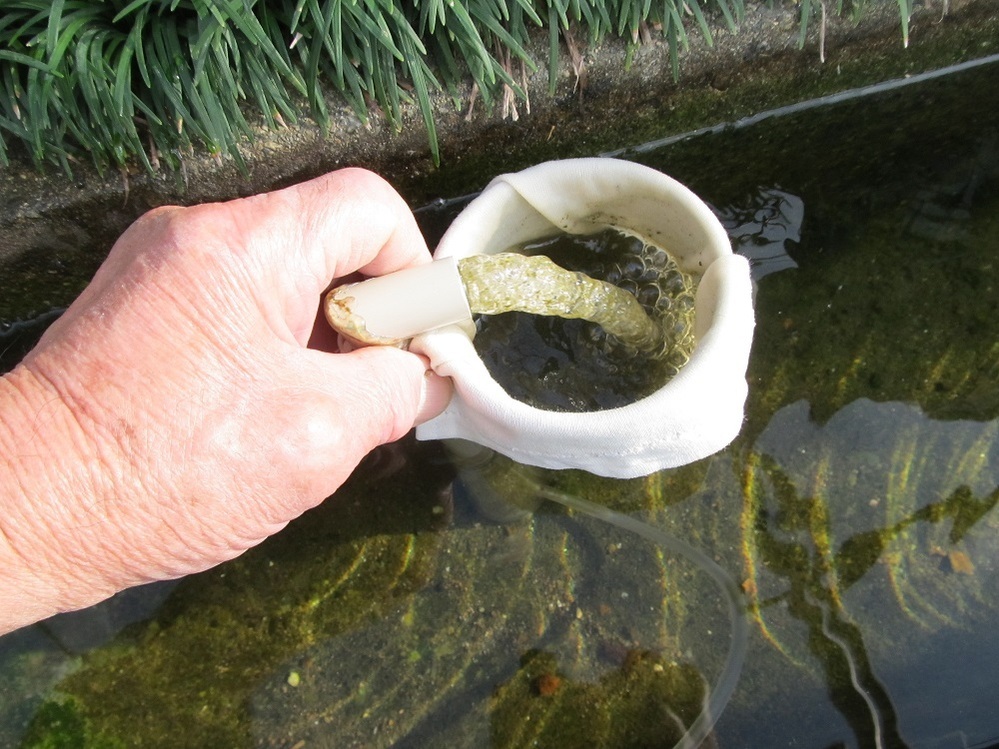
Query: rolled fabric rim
{"type": "Point", "coordinates": [693, 415]}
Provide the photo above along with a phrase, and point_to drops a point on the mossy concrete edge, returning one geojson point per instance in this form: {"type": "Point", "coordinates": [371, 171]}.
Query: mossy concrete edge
{"type": "Point", "coordinates": [57, 225]}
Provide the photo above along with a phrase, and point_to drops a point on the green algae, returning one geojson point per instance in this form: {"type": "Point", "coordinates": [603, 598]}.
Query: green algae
{"type": "Point", "coordinates": [403, 611]}
{"type": "Point", "coordinates": [647, 701]}
{"type": "Point", "coordinates": [193, 668]}
{"type": "Point", "coordinates": [550, 583]}
{"type": "Point", "coordinates": [640, 299]}
{"type": "Point", "coordinates": [860, 491]}
{"type": "Point", "coordinates": [510, 281]}
{"type": "Point", "coordinates": [60, 724]}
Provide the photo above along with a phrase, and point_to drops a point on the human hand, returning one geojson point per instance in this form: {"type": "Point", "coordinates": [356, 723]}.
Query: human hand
{"type": "Point", "coordinates": [175, 416]}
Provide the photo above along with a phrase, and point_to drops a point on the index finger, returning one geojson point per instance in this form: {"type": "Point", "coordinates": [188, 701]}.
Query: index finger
{"type": "Point", "coordinates": [345, 221]}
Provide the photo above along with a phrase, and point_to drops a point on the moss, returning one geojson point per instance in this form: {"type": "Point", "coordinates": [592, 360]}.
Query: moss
{"type": "Point", "coordinates": [186, 677]}
{"type": "Point", "coordinates": [60, 724]}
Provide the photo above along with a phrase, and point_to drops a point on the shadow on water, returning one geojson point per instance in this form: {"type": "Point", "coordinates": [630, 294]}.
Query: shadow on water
{"type": "Point", "coordinates": [857, 510]}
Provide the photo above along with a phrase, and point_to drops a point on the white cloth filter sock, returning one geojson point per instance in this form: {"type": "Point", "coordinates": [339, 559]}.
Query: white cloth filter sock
{"type": "Point", "coordinates": [695, 414]}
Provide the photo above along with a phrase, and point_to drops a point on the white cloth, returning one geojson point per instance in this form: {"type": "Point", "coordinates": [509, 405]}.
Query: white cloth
{"type": "Point", "coordinates": [695, 414]}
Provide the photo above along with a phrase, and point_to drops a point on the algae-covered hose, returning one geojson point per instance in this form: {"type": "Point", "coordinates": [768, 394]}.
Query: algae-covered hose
{"type": "Point", "coordinates": [489, 284]}
{"type": "Point", "coordinates": [508, 281]}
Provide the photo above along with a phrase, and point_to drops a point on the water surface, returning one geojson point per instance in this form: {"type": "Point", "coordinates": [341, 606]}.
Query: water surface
{"type": "Point", "coordinates": [856, 511]}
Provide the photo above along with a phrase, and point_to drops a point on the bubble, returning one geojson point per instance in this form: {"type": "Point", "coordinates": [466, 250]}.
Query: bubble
{"type": "Point", "coordinates": [587, 369]}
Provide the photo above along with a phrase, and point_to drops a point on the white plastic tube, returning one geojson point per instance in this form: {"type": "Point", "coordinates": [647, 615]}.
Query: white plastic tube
{"type": "Point", "coordinates": [398, 306]}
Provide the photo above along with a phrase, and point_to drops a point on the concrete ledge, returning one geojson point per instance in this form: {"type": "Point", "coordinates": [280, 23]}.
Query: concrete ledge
{"type": "Point", "coordinates": [58, 229]}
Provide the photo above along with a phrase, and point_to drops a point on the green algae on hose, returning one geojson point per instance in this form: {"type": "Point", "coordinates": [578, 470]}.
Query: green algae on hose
{"type": "Point", "coordinates": [509, 281]}
{"type": "Point", "coordinates": [573, 365]}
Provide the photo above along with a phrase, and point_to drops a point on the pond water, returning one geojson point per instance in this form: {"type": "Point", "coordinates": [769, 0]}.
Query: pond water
{"type": "Point", "coordinates": [574, 364]}
{"type": "Point", "coordinates": [438, 601]}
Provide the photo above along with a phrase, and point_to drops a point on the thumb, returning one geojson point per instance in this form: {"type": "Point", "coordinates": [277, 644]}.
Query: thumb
{"type": "Point", "coordinates": [376, 395]}
{"type": "Point", "coordinates": [300, 440]}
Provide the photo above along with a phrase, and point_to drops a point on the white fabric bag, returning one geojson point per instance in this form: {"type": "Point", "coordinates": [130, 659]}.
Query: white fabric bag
{"type": "Point", "coordinates": [695, 414]}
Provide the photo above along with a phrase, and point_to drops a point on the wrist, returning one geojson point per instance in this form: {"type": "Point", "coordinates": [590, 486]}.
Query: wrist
{"type": "Point", "coordinates": [47, 468]}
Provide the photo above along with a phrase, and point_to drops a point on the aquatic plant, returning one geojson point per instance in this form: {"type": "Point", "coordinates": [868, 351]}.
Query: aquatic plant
{"type": "Point", "coordinates": [148, 80]}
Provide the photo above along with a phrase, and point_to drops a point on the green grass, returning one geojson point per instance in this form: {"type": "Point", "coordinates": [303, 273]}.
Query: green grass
{"type": "Point", "coordinates": [120, 81]}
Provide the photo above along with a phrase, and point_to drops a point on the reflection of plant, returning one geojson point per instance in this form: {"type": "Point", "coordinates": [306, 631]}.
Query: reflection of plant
{"type": "Point", "coordinates": [792, 540]}
{"type": "Point", "coordinates": [789, 535]}
{"type": "Point", "coordinates": [860, 552]}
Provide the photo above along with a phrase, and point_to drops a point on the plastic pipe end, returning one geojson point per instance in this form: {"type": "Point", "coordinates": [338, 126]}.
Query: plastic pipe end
{"type": "Point", "coordinates": [389, 309]}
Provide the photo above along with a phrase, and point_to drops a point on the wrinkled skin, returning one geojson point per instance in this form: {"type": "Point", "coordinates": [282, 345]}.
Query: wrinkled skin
{"type": "Point", "coordinates": [178, 414]}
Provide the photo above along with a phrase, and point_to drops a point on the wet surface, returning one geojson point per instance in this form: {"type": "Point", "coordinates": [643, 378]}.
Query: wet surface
{"type": "Point", "coordinates": [574, 365]}
{"type": "Point", "coordinates": [856, 512]}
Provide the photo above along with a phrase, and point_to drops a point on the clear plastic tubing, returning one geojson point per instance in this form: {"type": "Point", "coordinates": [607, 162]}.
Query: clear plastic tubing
{"type": "Point", "coordinates": [739, 633]}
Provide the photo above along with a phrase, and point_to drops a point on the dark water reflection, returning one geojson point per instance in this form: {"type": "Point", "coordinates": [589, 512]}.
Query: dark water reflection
{"type": "Point", "coordinates": [872, 536]}
{"type": "Point", "coordinates": [856, 510]}
{"type": "Point", "coordinates": [870, 462]}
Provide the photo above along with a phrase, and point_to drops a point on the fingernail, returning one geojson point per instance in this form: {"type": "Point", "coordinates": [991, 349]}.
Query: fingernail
{"type": "Point", "coordinates": [434, 396]}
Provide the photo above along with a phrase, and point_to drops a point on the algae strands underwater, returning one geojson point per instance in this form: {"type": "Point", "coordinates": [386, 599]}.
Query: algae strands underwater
{"type": "Point", "coordinates": [856, 510]}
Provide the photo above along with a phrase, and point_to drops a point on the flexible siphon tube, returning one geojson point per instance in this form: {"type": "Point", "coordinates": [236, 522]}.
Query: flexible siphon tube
{"type": "Point", "coordinates": [739, 635]}
{"type": "Point", "coordinates": [508, 281]}
{"type": "Point", "coordinates": [387, 310]}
